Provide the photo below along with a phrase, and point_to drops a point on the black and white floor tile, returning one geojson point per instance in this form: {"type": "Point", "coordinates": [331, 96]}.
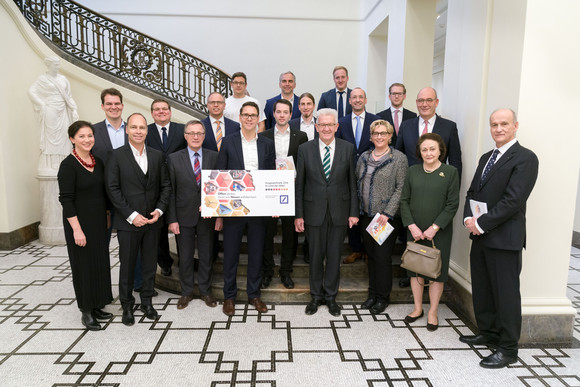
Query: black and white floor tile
{"type": "Point", "coordinates": [42, 342]}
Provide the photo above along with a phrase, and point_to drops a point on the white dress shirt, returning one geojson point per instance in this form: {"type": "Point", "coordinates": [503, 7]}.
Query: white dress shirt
{"type": "Point", "coordinates": [322, 148]}
{"type": "Point", "coordinates": [430, 124]}
{"type": "Point", "coordinates": [308, 128]}
{"type": "Point", "coordinates": [281, 142]}
{"type": "Point", "coordinates": [250, 153]}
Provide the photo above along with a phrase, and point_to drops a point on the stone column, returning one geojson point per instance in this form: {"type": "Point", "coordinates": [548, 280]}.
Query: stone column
{"type": "Point", "coordinates": [50, 230]}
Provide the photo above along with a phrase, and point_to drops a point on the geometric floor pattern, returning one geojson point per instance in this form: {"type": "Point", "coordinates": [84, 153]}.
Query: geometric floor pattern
{"type": "Point", "coordinates": [42, 342]}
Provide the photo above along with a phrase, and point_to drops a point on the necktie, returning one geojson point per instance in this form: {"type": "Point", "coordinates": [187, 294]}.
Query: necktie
{"type": "Point", "coordinates": [326, 162]}
{"type": "Point", "coordinates": [358, 131]}
{"type": "Point", "coordinates": [489, 166]}
{"type": "Point", "coordinates": [197, 169]}
{"type": "Point", "coordinates": [426, 129]}
{"type": "Point", "coordinates": [396, 120]}
{"type": "Point", "coordinates": [340, 105]}
{"type": "Point", "coordinates": [164, 138]}
{"type": "Point", "coordinates": [218, 135]}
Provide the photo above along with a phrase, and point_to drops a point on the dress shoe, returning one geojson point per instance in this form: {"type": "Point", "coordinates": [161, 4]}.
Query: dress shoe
{"type": "Point", "coordinates": [353, 257]}
{"type": "Point", "coordinates": [404, 282]}
{"type": "Point", "coordinates": [149, 311]}
{"type": "Point", "coordinates": [476, 340]}
{"type": "Point", "coordinates": [229, 307]}
{"type": "Point", "coordinates": [312, 307]}
{"type": "Point", "coordinates": [410, 319]}
{"type": "Point", "coordinates": [266, 280]}
{"type": "Point", "coordinates": [183, 301]}
{"type": "Point", "coordinates": [432, 327]}
{"type": "Point", "coordinates": [497, 360]}
{"type": "Point", "coordinates": [128, 317]}
{"type": "Point", "coordinates": [287, 281]}
{"type": "Point", "coordinates": [333, 307]}
{"type": "Point", "coordinates": [258, 304]}
{"type": "Point", "coordinates": [379, 307]}
{"type": "Point", "coordinates": [90, 322]}
{"type": "Point", "coordinates": [209, 300]}
{"type": "Point", "coordinates": [101, 314]}
{"type": "Point", "coordinates": [368, 303]}
{"type": "Point", "coordinates": [166, 271]}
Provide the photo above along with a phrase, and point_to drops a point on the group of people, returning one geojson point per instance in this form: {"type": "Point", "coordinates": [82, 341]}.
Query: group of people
{"type": "Point", "coordinates": [351, 166]}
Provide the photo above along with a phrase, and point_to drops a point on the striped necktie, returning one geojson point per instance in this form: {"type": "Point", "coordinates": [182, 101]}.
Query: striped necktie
{"type": "Point", "coordinates": [197, 169]}
{"type": "Point", "coordinates": [326, 162]}
{"type": "Point", "coordinates": [218, 135]}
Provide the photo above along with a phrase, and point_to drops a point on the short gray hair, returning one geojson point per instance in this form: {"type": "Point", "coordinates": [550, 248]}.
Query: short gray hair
{"type": "Point", "coordinates": [195, 122]}
{"type": "Point", "coordinates": [328, 112]}
{"type": "Point", "coordinates": [288, 72]}
{"type": "Point", "coordinates": [514, 115]}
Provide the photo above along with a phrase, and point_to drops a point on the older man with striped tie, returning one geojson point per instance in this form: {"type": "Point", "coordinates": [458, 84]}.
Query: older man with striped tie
{"type": "Point", "coordinates": [326, 203]}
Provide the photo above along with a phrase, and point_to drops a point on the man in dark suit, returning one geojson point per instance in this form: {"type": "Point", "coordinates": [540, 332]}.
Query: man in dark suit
{"type": "Point", "coordinates": [167, 137]}
{"type": "Point", "coordinates": [286, 142]}
{"type": "Point", "coordinates": [138, 186]}
{"type": "Point", "coordinates": [326, 203]}
{"type": "Point", "coordinates": [397, 94]}
{"type": "Point", "coordinates": [183, 213]}
{"type": "Point", "coordinates": [287, 85]}
{"type": "Point", "coordinates": [503, 181]}
{"type": "Point", "coordinates": [245, 151]}
{"type": "Point", "coordinates": [306, 121]}
{"type": "Point", "coordinates": [109, 133]}
{"type": "Point", "coordinates": [356, 129]}
{"type": "Point", "coordinates": [217, 126]}
{"type": "Point", "coordinates": [337, 98]}
{"type": "Point", "coordinates": [429, 122]}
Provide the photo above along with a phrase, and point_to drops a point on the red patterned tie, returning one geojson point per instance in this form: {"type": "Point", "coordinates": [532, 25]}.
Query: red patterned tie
{"type": "Point", "coordinates": [426, 129]}
{"type": "Point", "coordinates": [396, 120]}
{"type": "Point", "coordinates": [197, 169]}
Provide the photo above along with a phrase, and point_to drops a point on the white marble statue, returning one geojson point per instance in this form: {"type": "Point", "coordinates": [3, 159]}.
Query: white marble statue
{"type": "Point", "coordinates": [56, 110]}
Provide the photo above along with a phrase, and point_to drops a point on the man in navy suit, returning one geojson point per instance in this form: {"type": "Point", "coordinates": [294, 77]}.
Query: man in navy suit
{"type": "Point", "coordinates": [167, 137]}
{"type": "Point", "coordinates": [356, 129]}
{"type": "Point", "coordinates": [217, 126]}
{"type": "Point", "coordinates": [429, 122]}
{"type": "Point", "coordinates": [503, 180]}
{"type": "Point", "coordinates": [245, 151]}
{"type": "Point", "coordinates": [287, 85]}
{"type": "Point", "coordinates": [338, 97]}
{"type": "Point", "coordinates": [306, 121]}
{"type": "Point", "coordinates": [397, 94]}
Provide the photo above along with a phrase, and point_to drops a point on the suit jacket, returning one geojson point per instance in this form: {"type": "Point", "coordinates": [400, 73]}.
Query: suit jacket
{"type": "Point", "coordinates": [297, 138]}
{"type": "Point", "coordinates": [185, 197]}
{"type": "Point", "coordinates": [295, 125]}
{"type": "Point", "coordinates": [505, 189]}
{"type": "Point", "coordinates": [387, 115]}
{"type": "Point", "coordinates": [210, 142]}
{"type": "Point", "coordinates": [447, 129]}
{"type": "Point", "coordinates": [315, 195]}
{"type": "Point", "coordinates": [232, 157]}
{"type": "Point", "coordinates": [346, 132]}
{"type": "Point", "coordinates": [175, 138]}
{"type": "Point", "coordinates": [130, 190]}
{"type": "Point", "coordinates": [269, 109]}
{"type": "Point", "coordinates": [103, 146]}
{"type": "Point", "coordinates": [328, 100]}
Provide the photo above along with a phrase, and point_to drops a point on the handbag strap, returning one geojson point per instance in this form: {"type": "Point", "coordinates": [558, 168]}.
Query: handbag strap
{"type": "Point", "coordinates": [432, 242]}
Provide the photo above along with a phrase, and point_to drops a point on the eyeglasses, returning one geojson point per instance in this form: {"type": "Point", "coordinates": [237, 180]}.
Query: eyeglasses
{"type": "Point", "coordinates": [195, 134]}
{"type": "Point", "coordinates": [398, 94]}
{"type": "Point", "coordinates": [427, 100]}
{"type": "Point", "coordinates": [238, 83]}
{"type": "Point", "coordinates": [246, 116]}
{"type": "Point", "coordinates": [215, 102]}
{"type": "Point", "coordinates": [323, 126]}
{"type": "Point", "coordinates": [161, 109]}
{"type": "Point", "coordinates": [380, 134]}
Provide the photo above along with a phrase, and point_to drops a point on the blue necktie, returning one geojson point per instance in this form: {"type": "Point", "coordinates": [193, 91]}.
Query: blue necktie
{"type": "Point", "coordinates": [340, 105]}
{"type": "Point", "coordinates": [358, 131]}
{"type": "Point", "coordinates": [164, 138]}
{"type": "Point", "coordinates": [489, 165]}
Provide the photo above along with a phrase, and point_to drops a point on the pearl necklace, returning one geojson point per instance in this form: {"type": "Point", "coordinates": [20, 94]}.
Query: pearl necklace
{"type": "Point", "coordinates": [378, 156]}
{"type": "Point", "coordinates": [83, 162]}
{"type": "Point", "coordinates": [432, 170]}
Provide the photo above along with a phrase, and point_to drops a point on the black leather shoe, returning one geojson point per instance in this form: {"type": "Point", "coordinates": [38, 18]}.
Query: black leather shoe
{"type": "Point", "coordinates": [101, 314]}
{"type": "Point", "coordinates": [379, 307]}
{"type": "Point", "coordinates": [90, 322]}
{"type": "Point", "coordinates": [287, 281]}
{"type": "Point", "coordinates": [166, 271]}
{"type": "Point", "coordinates": [128, 317]}
{"type": "Point", "coordinates": [368, 303]}
{"type": "Point", "coordinates": [497, 360]}
{"type": "Point", "coordinates": [333, 307]}
{"type": "Point", "coordinates": [476, 340]}
{"type": "Point", "coordinates": [410, 319]}
{"type": "Point", "coordinates": [149, 311]}
{"type": "Point", "coordinates": [266, 280]}
{"type": "Point", "coordinates": [432, 327]}
{"type": "Point", "coordinates": [312, 307]}
{"type": "Point", "coordinates": [404, 282]}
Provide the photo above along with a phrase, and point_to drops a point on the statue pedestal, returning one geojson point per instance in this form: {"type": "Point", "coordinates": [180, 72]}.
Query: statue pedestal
{"type": "Point", "coordinates": [50, 231]}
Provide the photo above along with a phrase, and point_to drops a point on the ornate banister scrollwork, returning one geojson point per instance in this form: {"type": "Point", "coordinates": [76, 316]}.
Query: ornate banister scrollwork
{"type": "Point", "coordinates": [125, 53]}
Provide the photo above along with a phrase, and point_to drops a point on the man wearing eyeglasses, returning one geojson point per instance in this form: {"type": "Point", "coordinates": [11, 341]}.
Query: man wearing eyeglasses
{"type": "Point", "coordinates": [396, 113]}
{"type": "Point", "coordinates": [326, 203]}
{"type": "Point", "coordinates": [234, 102]}
{"type": "Point", "coordinates": [167, 137]}
{"type": "Point", "coordinates": [217, 126]}
{"type": "Point", "coordinates": [184, 217]}
{"type": "Point", "coordinates": [429, 122]}
{"type": "Point", "coordinates": [245, 151]}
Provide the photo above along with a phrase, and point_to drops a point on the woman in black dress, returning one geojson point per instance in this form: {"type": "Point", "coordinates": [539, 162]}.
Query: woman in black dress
{"type": "Point", "coordinates": [84, 205]}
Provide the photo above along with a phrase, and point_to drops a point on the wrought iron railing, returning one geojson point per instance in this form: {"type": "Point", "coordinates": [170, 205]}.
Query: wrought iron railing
{"type": "Point", "coordinates": [125, 53]}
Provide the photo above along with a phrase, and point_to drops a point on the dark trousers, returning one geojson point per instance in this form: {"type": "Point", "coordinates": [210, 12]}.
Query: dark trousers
{"type": "Point", "coordinates": [137, 279]}
{"type": "Point", "coordinates": [289, 244]}
{"type": "Point", "coordinates": [164, 259]}
{"type": "Point", "coordinates": [325, 241]}
{"type": "Point", "coordinates": [202, 235]}
{"type": "Point", "coordinates": [233, 231]}
{"type": "Point", "coordinates": [130, 242]}
{"type": "Point", "coordinates": [354, 239]}
{"type": "Point", "coordinates": [495, 279]}
{"type": "Point", "coordinates": [379, 264]}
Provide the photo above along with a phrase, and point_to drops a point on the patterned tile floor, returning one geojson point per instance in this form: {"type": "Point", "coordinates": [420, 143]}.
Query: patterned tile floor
{"type": "Point", "coordinates": [42, 342]}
